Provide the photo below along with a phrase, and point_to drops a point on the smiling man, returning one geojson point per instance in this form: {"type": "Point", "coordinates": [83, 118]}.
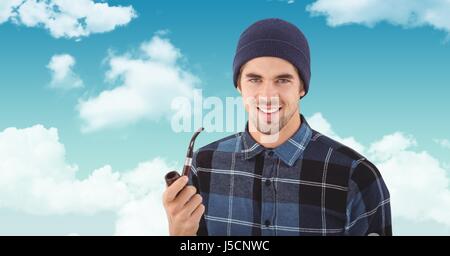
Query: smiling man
{"type": "Point", "coordinates": [279, 176]}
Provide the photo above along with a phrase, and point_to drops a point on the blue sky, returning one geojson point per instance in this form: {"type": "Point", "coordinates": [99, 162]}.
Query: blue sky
{"type": "Point", "coordinates": [378, 80]}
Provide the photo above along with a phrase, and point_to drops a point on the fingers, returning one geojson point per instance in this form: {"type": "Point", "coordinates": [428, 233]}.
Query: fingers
{"type": "Point", "coordinates": [185, 195]}
{"type": "Point", "coordinates": [192, 204]}
{"type": "Point", "coordinates": [198, 212]}
{"type": "Point", "coordinates": [172, 191]}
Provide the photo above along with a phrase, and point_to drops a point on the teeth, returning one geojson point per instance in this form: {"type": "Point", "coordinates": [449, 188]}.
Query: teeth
{"type": "Point", "coordinates": [269, 111]}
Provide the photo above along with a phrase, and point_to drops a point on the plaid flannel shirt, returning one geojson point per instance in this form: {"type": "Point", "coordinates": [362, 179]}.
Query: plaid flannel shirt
{"type": "Point", "coordinates": [309, 185]}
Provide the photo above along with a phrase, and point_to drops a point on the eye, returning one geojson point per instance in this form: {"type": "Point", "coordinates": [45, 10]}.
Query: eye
{"type": "Point", "coordinates": [283, 81]}
{"type": "Point", "coordinates": [254, 80]}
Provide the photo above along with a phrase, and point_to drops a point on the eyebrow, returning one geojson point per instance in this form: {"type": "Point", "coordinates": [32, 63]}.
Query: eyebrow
{"type": "Point", "coordinates": [253, 75]}
{"type": "Point", "coordinates": [285, 76]}
{"type": "Point", "coordinates": [281, 76]}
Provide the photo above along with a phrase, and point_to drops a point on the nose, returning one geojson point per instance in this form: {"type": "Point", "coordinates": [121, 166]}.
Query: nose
{"type": "Point", "coordinates": [269, 91]}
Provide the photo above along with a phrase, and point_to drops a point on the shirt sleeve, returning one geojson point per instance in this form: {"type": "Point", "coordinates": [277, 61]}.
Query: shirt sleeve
{"type": "Point", "coordinates": [194, 181]}
{"type": "Point", "coordinates": [368, 202]}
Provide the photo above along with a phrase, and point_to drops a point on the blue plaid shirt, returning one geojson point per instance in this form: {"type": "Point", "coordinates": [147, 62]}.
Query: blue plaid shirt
{"type": "Point", "coordinates": [309, 185]}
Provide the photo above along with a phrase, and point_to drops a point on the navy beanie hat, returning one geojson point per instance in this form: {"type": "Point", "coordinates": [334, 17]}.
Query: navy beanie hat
{"type": "Point", "coordinates": [275, 38]}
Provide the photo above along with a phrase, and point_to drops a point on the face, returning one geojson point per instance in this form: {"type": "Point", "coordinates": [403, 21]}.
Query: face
{"type": "Point", "coordinates": [271, 88]}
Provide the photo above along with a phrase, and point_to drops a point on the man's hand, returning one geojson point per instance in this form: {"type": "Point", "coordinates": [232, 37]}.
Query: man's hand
{"type": "Point", "coordinates": [183, 207]}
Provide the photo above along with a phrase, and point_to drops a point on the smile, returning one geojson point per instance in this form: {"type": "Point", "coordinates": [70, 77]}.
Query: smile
{"type": "Point", "coordinates": [269, 110]}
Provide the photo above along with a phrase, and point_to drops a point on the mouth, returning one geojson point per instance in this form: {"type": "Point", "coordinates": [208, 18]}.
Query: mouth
{"type": "Point", "coordinates": [269, 110]}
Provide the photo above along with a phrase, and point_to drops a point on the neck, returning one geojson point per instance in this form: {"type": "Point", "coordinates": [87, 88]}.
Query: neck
{"type": "Point", "coordinates": [275, 140]}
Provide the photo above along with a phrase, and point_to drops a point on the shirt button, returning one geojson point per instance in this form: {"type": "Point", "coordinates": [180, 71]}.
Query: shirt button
{"type": "Point", "coordinates": [267, 223]}
{"type": "Point", "coordinates": [270, 153]}
{"type": "Point", "coordinates": [267, 182]}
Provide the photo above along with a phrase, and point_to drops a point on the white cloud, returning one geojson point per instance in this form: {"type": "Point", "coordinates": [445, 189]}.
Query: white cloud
{"type": "Point", "coordinates": [443, 143]}
{"type": "Point", "coordinates": [145, 216]}
{"type": "Point", "coordinates": [405, 13]}
{"type": "Point", "coordinates": [35, 178]}
{"type": "Point", "coordinates": [417, 181]}
{"type": "Point", "coordinates": [285, 1]}
{"type": "Point", "coordinates": [148, 84]}
{"type": "Point", "coordinates": [66, 18]}
{"type": "Point", "coordinates": [390, 145]}
{"type": "Point", "coordinates": [323, 126]}
{"type": "Point", "coordinates": [161, 50]}
{"type": "Point", "coordinates": [63, 76]}
{"type": "Point", "coordinates": [6, 9]}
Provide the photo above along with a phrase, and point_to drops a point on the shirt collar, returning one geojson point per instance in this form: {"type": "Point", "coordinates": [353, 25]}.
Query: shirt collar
{"type": "Point", "coordinates": [288, 152]}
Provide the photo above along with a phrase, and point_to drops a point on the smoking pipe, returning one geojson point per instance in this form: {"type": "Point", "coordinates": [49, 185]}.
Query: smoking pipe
{"type": "Point", "coordinates": [172, 176]}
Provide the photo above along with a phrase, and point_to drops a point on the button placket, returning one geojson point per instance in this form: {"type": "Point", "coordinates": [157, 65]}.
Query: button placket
{"type": "Point", "coordinates": [267, 215]}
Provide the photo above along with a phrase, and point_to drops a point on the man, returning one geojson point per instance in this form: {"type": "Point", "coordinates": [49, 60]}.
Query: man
{"type": "Point", "coordinates": [279, 176]}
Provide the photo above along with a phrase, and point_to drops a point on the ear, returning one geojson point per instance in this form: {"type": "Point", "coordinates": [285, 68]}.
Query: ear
{"type": "Point", "coordinates": [239, 84]}
{"type": "Point", "coordinates": [302, 91]}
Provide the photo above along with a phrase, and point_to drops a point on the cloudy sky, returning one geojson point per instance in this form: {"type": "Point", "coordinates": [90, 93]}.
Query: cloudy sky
{"type": "Point", "coordinates": [86, 89]}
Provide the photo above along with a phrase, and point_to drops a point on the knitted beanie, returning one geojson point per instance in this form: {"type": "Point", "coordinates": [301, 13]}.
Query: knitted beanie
{"type": "Point", "coordinates": [275, 38]}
